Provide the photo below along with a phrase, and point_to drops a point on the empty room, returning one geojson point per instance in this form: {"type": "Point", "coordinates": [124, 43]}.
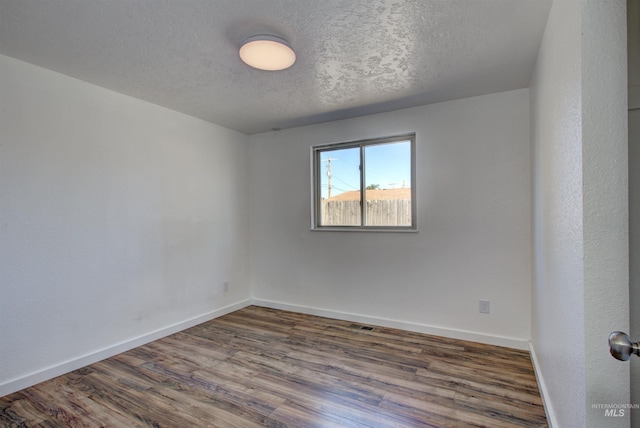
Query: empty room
{"type": "Point", "coordinates": [380, 213]}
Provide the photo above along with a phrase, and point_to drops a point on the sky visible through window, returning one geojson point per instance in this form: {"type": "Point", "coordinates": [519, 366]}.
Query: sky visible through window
{"type": "Point", "coordinates": [387, 165]}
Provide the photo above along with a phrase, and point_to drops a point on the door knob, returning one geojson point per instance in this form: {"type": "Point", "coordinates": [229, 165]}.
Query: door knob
{"type": "Point", "coordinates": [621, 346]}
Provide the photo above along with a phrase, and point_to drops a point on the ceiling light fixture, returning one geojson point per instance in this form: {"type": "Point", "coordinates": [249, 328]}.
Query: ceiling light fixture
{"type": "Point", "coordinates": [269, 53]}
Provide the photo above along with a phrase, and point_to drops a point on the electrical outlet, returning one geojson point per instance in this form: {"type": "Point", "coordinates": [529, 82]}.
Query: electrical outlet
{"type": "Point", "coordinates": [225, 286]}
{"type": "Point", "coordinates": [485, 307]}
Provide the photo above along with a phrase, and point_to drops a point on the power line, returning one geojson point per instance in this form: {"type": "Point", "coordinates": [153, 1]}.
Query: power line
{"type": "Point", "coordinates": [344, 182]}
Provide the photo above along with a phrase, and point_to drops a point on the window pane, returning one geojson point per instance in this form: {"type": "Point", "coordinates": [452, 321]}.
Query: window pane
{"type": "Point", "coordinates": [388, 184]}
{"type": "Point", "coordinates": [339, 172]}
{"type": "Point", "coordinates": [377, 195]}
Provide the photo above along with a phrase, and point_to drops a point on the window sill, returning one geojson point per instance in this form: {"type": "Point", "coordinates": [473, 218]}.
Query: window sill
{"type": "Point", "coordinates": [362, 229]}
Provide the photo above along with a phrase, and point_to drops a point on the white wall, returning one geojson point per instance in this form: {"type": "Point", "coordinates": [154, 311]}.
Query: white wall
{"type": "Point", "coordinates": [473, 196]}
{"type": "Point", "coordinates": [580, 286]}
{"type": "Point", "coordinates": [606, 201]}
{"type": "Point", "coordinates": [558, 294]}
{"type": "Point", "coordinates": [633, 52]}
{"type": "Point", "coordinates": [634, 250]}
{"type": "Point", "coordinates": [633, 67]}
{"type": "Point", "coordinates": [120, 220]}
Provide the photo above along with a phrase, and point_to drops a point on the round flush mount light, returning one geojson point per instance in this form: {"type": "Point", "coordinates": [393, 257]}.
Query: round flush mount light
{"type": "Point", "coordinates": [269, 53]}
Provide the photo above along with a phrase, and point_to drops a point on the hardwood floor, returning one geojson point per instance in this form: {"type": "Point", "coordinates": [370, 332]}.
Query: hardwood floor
{"type": "Point", "coordinates": [264, 367]}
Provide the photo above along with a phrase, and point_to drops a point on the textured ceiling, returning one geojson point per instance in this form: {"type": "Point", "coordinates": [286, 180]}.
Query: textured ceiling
{"type": "Point", "coordinates": [354, 57]}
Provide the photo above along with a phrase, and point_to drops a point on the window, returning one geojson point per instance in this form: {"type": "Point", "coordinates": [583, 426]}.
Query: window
{"type": "Point", "coordinates": [365, 185]}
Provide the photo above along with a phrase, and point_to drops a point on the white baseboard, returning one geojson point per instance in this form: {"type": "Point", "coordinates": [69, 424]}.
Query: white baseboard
{"type": "Point", "coordinates": [508, 342]}
{"type": "Point", "coordinates": [76, 363]}
{"type": "Point", "coordinates": [544, 392]}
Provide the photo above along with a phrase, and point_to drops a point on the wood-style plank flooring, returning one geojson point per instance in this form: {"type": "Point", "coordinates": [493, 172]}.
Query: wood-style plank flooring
{"type": "Point", "coordinates": [264, 367]}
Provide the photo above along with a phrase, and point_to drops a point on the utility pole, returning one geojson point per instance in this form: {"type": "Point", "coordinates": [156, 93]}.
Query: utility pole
{"type": "Point", "coordinates": [329, 159]}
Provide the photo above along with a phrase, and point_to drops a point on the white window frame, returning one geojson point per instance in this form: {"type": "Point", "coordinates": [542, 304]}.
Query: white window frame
{"type": "Point", "coordinates": [316, 191]}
